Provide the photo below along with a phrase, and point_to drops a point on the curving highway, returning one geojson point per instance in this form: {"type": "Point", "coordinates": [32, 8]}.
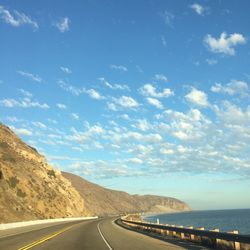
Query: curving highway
{"type": "Point", "coordinates": [92, 234]}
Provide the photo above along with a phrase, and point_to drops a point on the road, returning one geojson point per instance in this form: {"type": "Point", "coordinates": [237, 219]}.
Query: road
{"type": "Point", "coordinates": [103, 234]}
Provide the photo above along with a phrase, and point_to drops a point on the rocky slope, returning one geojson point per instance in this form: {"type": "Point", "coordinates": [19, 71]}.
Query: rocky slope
{"type": "Point", "coordinates": [29, 187]}
{"type": "Point", "coordinates": [102, 201]}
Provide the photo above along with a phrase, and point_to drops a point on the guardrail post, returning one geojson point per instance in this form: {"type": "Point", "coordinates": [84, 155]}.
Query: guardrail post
{"type": "Point", "coordinates": [236, 244]}
{"type": "Point", "coordinates": [167, 232]}
{"type": "Point", "coordinates": [217, 241]}
{"type": "Point", "coordinates": [173, 232]}
{"type": "Point", "coordinates": [191, 235]}
{"type": "Point", "coordinates": [200, 237]}
{"type": "Point", "coordinates": [182, 235]}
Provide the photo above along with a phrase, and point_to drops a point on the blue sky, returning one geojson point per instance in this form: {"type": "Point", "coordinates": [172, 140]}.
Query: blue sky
{"type": "Point", "coordinates": [141, 96]}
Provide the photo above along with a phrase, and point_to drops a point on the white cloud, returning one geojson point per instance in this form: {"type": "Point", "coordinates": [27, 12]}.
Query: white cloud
{"type": "Point", "coordinates": [22, 131]}
{"type": "Point", "coordinates": [61, 106]}
{"type": "Point", "coordinates": [211, 61]}
{"type": "Point", "coordinates": [112, 106]}
{"type": "Point", "coordinates": [199, 9]}
{"type": "Point", "coordinates": [101, 169]}
{"type": "Point", "coordinates": [63, 24]}
{"type": "Point", "coordinates": [75, 116]}
{"type": "Point", "coordinates": [143, 125]}
{"type": "Point", "coordinates": [234, 87]}
{"type": "Point", "coordinates": [30, 76]}
{"type": "Point", "coordinates": [160, 77]}
{"type": "Point", "coordinates": [23, 103]}
{"type": "Point", "coordinates": [154, 102]}
{"type": "Point", "coordinates": [135, 161]}
{"type": "Point", "coordinates": [39, 125]}
{"type": "Point", "coordinates": [118, 67]}
{"type": "Point", "coordinates": [127, 102]}
{"type": "Point", "coordinates": [163, 41]}
{"type": "Point", "coordinates": [114, 86]}
{"type": "Point", "coordinates": [65, 70]}
{"type": "Point", "coordinates": [25, 93]}
{"type": "Point", "coordinates": [13, 119]}
{"type": "Point", "coordinates": [96, 129]}
{"type": "Point", "coordinates": [52, 121]}
{"type": "Point", "coordinates": [197, 97]}
{"type": "Point", "coordinates": [181, 149]}
{"type": "Point", "coordinates": [94, 94]}
{"type": "Point", "coordinates": [16, 18]}
{"type": "Point", "coordinates": [151, 91]}
{"type": "Point", "coordinates": [168, 18]}
{"type": "Point", "coordinates": [231, 114]}
{"type": "Point", "coordinates": [125, 117]}
{"type": "Point", "coordinates": [225, 43]}
{"type": "Point", "coordinates": [87, 136]}
{"type": "Point", "coordinates": [77, 91]}
{"type": "Point", "coordinates": [167, 151]}
{"type": "Point", "coordinates": [69, 88]}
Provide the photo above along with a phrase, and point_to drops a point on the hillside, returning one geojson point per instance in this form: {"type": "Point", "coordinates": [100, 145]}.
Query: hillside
{"type": "Point", "coordinates": [29, 187]}
{"type": "Point", "coordinates": [102, 201]}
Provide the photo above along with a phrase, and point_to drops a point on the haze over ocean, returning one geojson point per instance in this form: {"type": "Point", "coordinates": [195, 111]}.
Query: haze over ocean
{"type": "Point", "coordinates": [148, 97]}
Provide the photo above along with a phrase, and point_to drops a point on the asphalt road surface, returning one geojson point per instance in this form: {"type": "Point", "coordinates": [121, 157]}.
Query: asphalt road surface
{"type": "Point", "coordinates": [92, 234]}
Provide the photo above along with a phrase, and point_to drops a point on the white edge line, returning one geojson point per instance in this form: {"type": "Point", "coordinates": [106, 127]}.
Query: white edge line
{"type": "Point", "coordinates": [98, 227]}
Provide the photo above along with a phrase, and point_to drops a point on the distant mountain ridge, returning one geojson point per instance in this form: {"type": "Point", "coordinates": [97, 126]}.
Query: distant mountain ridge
{"type": "Point", "coordinates": [102, 201]}
{"type": "Point", "coordinates": [31, 189]}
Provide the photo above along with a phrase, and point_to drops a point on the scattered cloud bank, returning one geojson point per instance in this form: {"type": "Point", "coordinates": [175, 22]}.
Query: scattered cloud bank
{"type": "Point", "coordinates": [205, 131]}
{"type": "Point", "coordinates": [225, 44]}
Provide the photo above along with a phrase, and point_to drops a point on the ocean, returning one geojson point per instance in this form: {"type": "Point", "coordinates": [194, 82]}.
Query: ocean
{"type": "Point", "coordinates": [225, 220]}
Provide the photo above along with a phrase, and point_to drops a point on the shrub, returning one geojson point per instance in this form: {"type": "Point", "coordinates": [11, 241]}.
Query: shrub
{"type": "Point", "coordinates": [20, 193]}
{"type": "Point", "coordinates": [13, 181]}
{"type": "Point", "coordinates": [51, 173]}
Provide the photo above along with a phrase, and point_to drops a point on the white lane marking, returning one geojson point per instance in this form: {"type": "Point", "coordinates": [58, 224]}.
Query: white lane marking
{"type": "Point", "coordinates": [100, 232]}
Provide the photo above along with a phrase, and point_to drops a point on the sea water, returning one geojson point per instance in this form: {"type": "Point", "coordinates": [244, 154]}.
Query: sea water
{"type": "Point", "coordinates": [225, 220]}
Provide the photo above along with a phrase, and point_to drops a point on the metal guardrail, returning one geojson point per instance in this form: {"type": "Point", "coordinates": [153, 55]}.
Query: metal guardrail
{"type": "Point", "coordinates": [197, 232]}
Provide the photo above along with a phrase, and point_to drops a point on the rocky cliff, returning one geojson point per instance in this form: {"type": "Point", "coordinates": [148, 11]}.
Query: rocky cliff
{"type": "Point", "coordinates": [29, 187]}
{"type": "Point", "coordinates": [102, 201]}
